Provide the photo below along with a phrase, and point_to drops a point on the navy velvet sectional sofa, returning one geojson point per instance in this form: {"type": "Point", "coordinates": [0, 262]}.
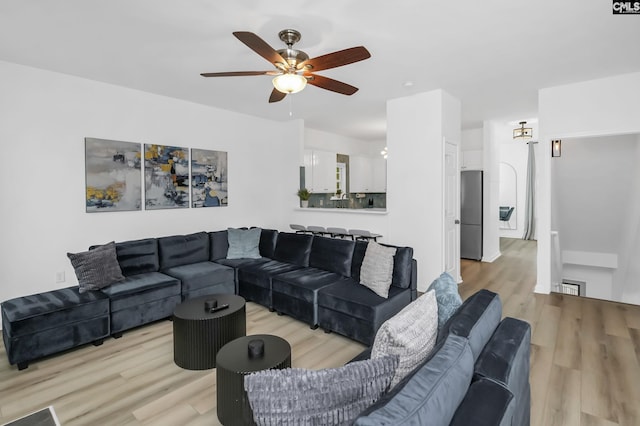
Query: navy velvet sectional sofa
{"type": "Point", "coordinates": [477, 374]}
{"type": "Point", "coordinates": [311, 278]}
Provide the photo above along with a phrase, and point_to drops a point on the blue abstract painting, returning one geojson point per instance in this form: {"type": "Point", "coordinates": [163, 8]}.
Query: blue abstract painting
{"type": "Point", "coordinates": [166, 177]}
{"type": "Point", "coordinates": [113, 176]}
{"type": "Point", "coordinates": [208, 178]}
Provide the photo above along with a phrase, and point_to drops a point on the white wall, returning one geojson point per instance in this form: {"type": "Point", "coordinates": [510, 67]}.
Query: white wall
{"type": "Point", "coordinates": [416, 129]}
{"type": "Point", "coordinates": [471, 139]}
{"type": "Point", "coordinates": [599, 281]}
{"type": "Point", "coordinates": [325, 141]}
{"type": "Point", "coordinates": [44, 119]}
{"type": "Point", "coordinates": [594, 183]}
{"type": "Point", "coordinates": [491, 191]}
{"type": "Point", "coordinates": [627, 276]}
{"type": "Point", "coordinates": [608, 106]}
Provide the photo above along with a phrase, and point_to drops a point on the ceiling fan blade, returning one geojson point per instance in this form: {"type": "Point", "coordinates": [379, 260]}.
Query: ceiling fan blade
{"type": "Point", "coordinates": [260, 46]}
{"type": "Point", "coordinates": [237, 73]}
{"type": "Point", "coordinates": [331, 84]}
{"type": "Point", "coordinates": [336, 59]}
{"type": "Point", "coordinates": [276, 96]}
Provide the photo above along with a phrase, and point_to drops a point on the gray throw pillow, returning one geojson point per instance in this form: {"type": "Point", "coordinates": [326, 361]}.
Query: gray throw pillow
{"type": "Point", "coordinates": [243, 243]}
{"type": "Point", "coordinates": [410, 334]}
{"type": "Point", "coordinates": [96, 268]}
{"type": "Point", "coordinates": [447, 295]}
{"type": "Point", "coordinates": [376, 272]}
{"type": "Point", "coordinates": [336, 396]}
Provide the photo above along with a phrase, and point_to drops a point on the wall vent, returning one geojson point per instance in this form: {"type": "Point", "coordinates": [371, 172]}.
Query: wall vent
{"type": "Point", "coordinates": [575, 288]}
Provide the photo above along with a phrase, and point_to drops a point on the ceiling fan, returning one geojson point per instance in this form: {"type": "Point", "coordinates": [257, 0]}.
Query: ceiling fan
{"type": "Point", "coordinates": [294, 69]}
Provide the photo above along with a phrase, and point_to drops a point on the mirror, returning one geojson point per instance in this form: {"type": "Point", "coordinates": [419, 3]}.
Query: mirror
{"type": "Point", "coordinates": [508, 197]}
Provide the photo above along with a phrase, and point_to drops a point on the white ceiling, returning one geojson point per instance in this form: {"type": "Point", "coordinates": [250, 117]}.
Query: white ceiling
{"type": "Point", "coordinates": [492, 55]}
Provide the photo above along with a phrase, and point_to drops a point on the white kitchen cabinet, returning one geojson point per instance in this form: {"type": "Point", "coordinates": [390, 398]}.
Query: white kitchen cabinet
{"type": "Point", "coordinates": [379, 175]}
{"type": "Point", "coordinates": [471, 160]}
{"type": "Point", "coordinates": [308, 169]}
{"type": "Point", "coordinates": [320, 171]}
{"type": "Point", "coordinates": [367, 174]}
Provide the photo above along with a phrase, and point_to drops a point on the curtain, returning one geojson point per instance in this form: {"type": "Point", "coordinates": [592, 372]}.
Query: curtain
{"type": "Point", "coordinates": [529, 213]}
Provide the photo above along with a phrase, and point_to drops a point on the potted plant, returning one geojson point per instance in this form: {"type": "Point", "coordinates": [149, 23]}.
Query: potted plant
{"type": "Point", "coordinates": [304, 194]}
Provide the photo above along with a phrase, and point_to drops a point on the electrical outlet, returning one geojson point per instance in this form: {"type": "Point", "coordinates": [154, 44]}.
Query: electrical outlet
{"type": "Point", "coordinates": [60, 278]}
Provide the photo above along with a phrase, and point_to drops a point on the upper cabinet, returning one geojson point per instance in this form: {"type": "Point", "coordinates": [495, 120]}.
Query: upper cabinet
{"type": "Point", "coordinates": [367, 174]}
{"type": "Point", "coordinates": [471, 160]}
{"type": "Point", "coordinates": [320, 171]}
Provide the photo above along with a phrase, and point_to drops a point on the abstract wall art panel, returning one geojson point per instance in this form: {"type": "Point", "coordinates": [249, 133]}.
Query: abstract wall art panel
{"type": "Point", "coordinates": [166, 177]}
{"type": "Point", "coordinates": [112, 175]}
{"type": "Point", "coordinates": [208, 178]}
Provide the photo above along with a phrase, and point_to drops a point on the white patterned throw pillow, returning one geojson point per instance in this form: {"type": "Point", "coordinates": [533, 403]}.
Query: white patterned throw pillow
{"type": "Point", "coordinates": [376, 272]}
{"type": "Point", "coordinates": [411, 334]}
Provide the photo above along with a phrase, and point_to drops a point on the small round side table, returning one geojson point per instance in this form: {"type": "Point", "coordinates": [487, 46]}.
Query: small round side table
{"type": "Point", "coordinates": [233, 363]}
{"type": "Point", "coordinates": [198, 334]}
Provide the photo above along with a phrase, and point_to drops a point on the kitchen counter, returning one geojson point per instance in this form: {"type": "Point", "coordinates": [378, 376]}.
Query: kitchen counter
{"type": "Point", "coordinates": [374, 211]}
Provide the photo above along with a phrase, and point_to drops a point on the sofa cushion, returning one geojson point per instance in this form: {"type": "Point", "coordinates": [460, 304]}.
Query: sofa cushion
{"type": "Point", "coordinates": [51, 309]}
{"type": "Point", "coordinates": [303, 284]}
{"type": "Point", "coordinates": [410, 334]}
{"type": "Point", "coordinates": [376, 272]}
{"type": "Point", "coordinates": [236, 263]}
{"type": "Point", "coordinates": [201, 275]}
{"type": "Point", "coordinates": [402, 264]}
{"type": "Point", "coordinates": [356, 300]}
{"type": "Point", "coordinates": [331, 254]}
{"type": "Point", "coordinates": [218, 245]}
{"type": "Point", "coordinates": [138, 256]}
{"type": "Point", "coordinates": [447, 295]}
{"type": "Point", "coordinates": [260, 273]}
{"type": "Point", "coordinates": [243, 243]}
{"type": "Point", "coordinates": [268, 240]}
{"type": "Point", "coordinates": [96, 268]}
{"type": "Point", "coordinates": [333, 396]}
{"type": "Point", "coordinates": [505, 359]}
{"type": "Point", "coordinates": [431, 394]}
{"type": "Point", "coordinates": [486, 403]}
{"type": "Point", "coordinates": [183, 249]}
{"type": "Point", "coordinates": [476, 319]}
{"type": "Point", "coordinates": [293, 248]}
{"type": "Point", "coordinates": [402, 267]}
{"type": "Point", "coordinates": [141, 288]}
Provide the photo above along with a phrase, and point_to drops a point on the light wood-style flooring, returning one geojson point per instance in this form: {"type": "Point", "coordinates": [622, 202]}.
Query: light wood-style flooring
{"type": "Point", "coordinates": [585, 360]}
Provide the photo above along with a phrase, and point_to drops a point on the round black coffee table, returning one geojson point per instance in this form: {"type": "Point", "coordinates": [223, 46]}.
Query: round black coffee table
{"type": "Point", "coordinates": [199, 334]}
{"type": "Point", "coordinates": [233, 363]}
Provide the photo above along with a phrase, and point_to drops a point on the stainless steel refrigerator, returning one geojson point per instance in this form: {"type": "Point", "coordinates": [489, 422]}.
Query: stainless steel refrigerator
{"type": "Point", "coordinates": [471, 214]}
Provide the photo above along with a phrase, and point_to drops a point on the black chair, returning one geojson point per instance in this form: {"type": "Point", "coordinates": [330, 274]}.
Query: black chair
{"type": "Point", "coordinates": [505, 215]}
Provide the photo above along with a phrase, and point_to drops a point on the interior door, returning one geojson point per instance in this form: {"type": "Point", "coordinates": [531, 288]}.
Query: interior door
{"type": "Point", "coordinates": [452, 210]}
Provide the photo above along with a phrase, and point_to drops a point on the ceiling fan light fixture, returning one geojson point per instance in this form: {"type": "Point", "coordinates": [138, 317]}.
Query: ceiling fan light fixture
{"type": "Point", "coordinates": [289, 83]}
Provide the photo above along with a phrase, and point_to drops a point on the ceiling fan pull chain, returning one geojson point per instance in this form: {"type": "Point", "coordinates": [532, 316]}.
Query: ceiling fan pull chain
{"type": "Point", "coordinates": [291, 106]}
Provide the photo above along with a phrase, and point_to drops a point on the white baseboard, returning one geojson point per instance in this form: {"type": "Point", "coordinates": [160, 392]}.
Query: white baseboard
{"type": "Point", "coordinates": [493, 258]}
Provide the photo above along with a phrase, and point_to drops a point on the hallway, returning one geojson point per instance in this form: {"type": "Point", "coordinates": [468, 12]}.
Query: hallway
{"type": "Point", "coordinates": [585, 353]}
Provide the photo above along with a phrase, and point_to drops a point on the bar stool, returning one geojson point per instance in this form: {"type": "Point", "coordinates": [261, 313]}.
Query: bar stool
{"type": "Point", "coordinates": [338, 232]}
{"type": "Point", "coordinates": [317, 230]}
{"type": "Point", "coordinates": [363, 234]}
{"type": "Point", "coordinates": [300, 229]}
